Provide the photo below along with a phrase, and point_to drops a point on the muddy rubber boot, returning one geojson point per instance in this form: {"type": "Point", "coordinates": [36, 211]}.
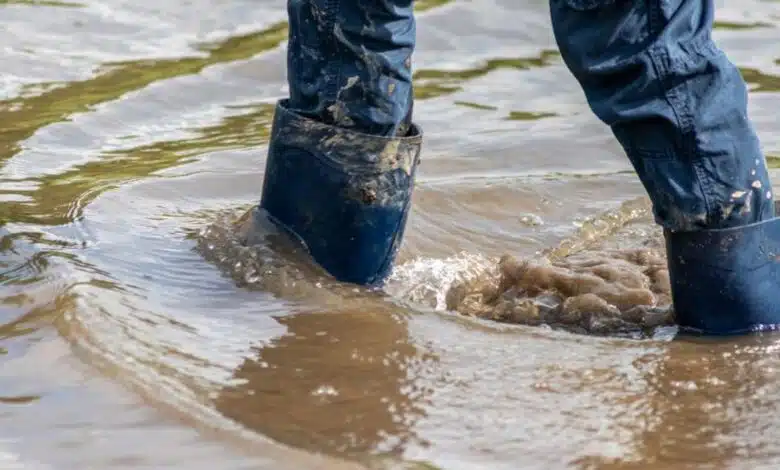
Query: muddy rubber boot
{"type": "Point", "coordinates": [344, 194]}
{"type": "Point", "coordinates": [726, 281]}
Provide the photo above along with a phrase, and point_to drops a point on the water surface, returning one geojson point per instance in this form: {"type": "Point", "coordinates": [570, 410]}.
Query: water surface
{"type": "Point", "coordinates": [130, 337]}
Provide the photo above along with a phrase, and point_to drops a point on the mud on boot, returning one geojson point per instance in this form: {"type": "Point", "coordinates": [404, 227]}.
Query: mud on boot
{"type": "Point", "coordinates": [344, 194]}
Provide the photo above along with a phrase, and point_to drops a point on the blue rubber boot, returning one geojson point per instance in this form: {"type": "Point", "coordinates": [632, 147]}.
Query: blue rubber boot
{"type": "Point", "coordinates": [344, 194]}
{"type": "Point", "coordinates": [726, 281]}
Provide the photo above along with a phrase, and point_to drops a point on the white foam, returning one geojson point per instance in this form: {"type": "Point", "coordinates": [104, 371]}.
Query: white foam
{"type": "Point", "coordinates": [426, 280]}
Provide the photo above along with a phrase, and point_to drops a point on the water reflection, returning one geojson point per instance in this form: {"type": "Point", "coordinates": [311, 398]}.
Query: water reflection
{"type": "Point", "coordinates": [60, 198]}
{"type": "Point", "coordinates": [344, 379]}
{"type": "Point", "coordinates": [339, 382]}
{"type": "Point", "coordinates": [22, 116]}
{"type": "Point", "coordinates": [703, 404]}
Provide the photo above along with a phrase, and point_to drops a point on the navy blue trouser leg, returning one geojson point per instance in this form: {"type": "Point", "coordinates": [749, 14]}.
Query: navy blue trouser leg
{"type": "Point", "coordinates": [678, 106]}
{"type": "Point", "coordinates": [349, 63]}
{"type": "Point", "coordinates": [651, 71]}
{"type": "Point", "coordinates": [344, 150]}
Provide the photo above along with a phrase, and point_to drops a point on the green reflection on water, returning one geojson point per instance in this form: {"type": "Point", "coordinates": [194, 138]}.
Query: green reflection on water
{"type": "Point", "coordinates": [59, 198]}
{"type": "Point", "coordinates": [469, 104]}
{"type": "Point", "coordinates": [424, 5]}
{"type": "Point", "coordinates": [762, 82]}
{"type": "Point", "coordinates": [740, 26]}
{"type": "Point", "coordinates": [430, 83]}
{"type": "Point", "coordinates": [21, 117]}
{"type": "Point", "coordinates": [19, 399]}
{"type": "Point", "coordinates": [528, 116]}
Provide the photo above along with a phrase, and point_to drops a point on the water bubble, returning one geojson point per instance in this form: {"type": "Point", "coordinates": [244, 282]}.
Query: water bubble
{"type": "Point", "coordinates": [531, 220]}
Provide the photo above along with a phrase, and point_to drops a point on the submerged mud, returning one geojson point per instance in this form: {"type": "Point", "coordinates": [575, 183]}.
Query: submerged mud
{"type": "Point", "coordinates": [594, 291]}
{"type": "Point", "coordinates": [610, 278]}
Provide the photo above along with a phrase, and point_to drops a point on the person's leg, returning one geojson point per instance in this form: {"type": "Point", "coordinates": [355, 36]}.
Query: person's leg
{"type": "Point", "coordinates": [678, 106]}
{"type": "Point", "coordinates": [349, 63]}
{"type": "Point", "coordinates": [344, 150]}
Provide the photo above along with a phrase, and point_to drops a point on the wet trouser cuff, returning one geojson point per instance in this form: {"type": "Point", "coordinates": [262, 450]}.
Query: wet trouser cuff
{"type": "Point", "coordinates": [344, 194]}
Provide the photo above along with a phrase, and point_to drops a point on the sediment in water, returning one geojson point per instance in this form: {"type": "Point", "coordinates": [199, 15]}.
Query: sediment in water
{"type": "Point", "coordinates": [611, 277]}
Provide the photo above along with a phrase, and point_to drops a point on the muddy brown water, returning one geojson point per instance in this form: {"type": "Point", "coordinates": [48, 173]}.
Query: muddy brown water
{"type": "Point", "coordinates": [135, 332]}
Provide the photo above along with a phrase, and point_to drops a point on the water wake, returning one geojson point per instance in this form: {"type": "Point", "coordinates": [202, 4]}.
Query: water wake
{"type": "Point", "coordinates": [609, 278]}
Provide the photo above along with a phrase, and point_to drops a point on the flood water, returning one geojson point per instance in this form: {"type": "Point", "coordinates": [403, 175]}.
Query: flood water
{"type": "Point", "coordinates": [135, 333]}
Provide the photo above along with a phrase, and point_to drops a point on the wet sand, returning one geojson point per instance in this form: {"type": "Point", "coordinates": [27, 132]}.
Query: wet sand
{"type": "Point", "coordinates": [136, 332]}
